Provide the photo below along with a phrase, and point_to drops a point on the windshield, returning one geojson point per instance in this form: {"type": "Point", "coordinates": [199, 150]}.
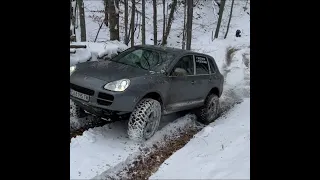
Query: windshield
{"type": "Point", "coordinates": [144, 58]}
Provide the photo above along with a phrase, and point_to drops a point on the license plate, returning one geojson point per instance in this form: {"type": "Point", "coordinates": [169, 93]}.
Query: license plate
{"type": "Point", "coordinates": [79, 95]}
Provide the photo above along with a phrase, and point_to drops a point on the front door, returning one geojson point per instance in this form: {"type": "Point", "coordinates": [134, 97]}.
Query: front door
{"type": "Point", "coordinates": [182, 93]}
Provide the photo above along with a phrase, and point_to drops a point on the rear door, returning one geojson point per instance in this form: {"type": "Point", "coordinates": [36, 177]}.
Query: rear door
{"type": "Point", "coordinates": [203, 81]}
{"type": "Point", "coordinates": [215, 78]}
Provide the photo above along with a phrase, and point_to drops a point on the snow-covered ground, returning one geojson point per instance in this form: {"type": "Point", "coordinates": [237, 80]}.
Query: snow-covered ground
{"type": "Point", "coordinates": [102, 148]}
{"type": "Point", "coordinates": [221, 150]}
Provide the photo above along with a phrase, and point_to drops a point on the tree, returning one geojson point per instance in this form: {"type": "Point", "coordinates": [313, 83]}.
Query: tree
{"type": "Point", "coordinates": [223, 2]}
{"type": "Point", "coordinates": [184, 26]}
{"type": "Point", "coordinates": [73, 21]}
{"type": "Point", "coordinates": [114, 19]}
{"type": "Point", "coordinates": [70, 17]}
{"type": "Point", "coordinates": [155, 40]}
{"type": "Point", "coordinates": [189, 23]}
{"type": "Point", "coordinates": [225, 36]}
{"type": "Point", "coordinates": [106, 12]}
{"type": "Point", "coordinates": [143, 22]}
{"type": "Point", "coordinates": [170, 20]}
{"type": "Point", "coordinates": [126, 15]}
{"type": "Point", "coordinates": [132, 21]}
{"type": "Point", "coordinates": [164, 18]}
{"type": "Point", "coordinates": [82, 20]}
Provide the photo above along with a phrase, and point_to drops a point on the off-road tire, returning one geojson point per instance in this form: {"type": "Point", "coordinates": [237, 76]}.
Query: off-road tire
{"type": "Point", "coordinates": [209, 112]}
{"type": "Point", "coordinates": [79, 112]}
{"type": "Point", "coordinates": [144, 120]}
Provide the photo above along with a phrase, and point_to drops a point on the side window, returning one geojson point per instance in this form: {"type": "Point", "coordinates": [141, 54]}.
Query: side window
{"type": "Point", "coordinates": [184, 67]}
{"type": "Point", "coordinates": [212, 66]}
{"type": "Point", "coordinates": [202, 66]}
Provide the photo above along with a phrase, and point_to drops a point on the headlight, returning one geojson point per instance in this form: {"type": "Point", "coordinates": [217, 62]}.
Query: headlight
{"type": "Point", "coordinates": [120, 85]}
{"type": "Point", "coordinates": [72, 69]}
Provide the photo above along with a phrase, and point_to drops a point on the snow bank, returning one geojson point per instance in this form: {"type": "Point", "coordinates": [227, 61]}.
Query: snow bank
{"type": "Point", "coordinates": [79, 56]}
{"type": "Point", "coordinates": [105, 150]}
{"type": "Point", "coordinates": [170, 130]}
{"type": "Point", "coordinates": [220, 151]}
{"type": "Point", "coordinates": [95, 51]}
{"type": "Point", "coordinates": [98, 149]}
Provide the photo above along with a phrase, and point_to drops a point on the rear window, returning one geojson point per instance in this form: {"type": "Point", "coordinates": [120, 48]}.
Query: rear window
{"type": "Point", "coordinates": [202, 66]}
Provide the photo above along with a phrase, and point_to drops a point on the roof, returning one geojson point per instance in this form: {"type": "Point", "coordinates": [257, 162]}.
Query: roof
{"type": "Point", "coordinates": [168, 49]}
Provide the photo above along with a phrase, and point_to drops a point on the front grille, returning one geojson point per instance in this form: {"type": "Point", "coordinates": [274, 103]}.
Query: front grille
{"type": "Point", "coordinates": [105, 99]}
{"type": "Point", "coordinates": [82, 89]}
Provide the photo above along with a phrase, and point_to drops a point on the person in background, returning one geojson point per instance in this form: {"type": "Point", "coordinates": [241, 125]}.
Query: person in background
{"type": "Point", "coordinates": [238, 33]}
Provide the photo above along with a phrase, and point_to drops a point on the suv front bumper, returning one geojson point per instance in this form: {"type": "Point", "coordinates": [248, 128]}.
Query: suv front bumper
{"type": "Point", "coordinates": [103, 101]}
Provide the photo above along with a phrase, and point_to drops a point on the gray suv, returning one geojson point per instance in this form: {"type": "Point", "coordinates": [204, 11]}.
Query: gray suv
{"type": "Point", "coordinates": [144, 83]}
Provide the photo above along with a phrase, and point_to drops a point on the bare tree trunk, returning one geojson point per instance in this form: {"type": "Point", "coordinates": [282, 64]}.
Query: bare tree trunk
{"type": "Point", "coordinates": [189, 23]}
{"type": "Point", "coordinates": [132, 21]}
{"type": "Point", "coordinates": [223, 2]}
{"type": "Point", "coordinates": [155, 40]}
{"type": "Point", "coordinates": [73, 21]}
{"type": "Point", "coordinates": [225, 36]}
{"type": "Point", "coordinates": [70, 17]}
{"type": "Point", "coordinates": [126, 15]}
{"type": "Point", "coordinates": [117, 2]}
{"type": "Point", "coordinates": [138, 23]}
{"type": "Point", "coordinates": [173, 7]}
{"type": "Point", "coordinates": [143, 22]}
{"type": "Point", "coordinates": [184, 26]}
{"type": "Point", "coordinates": [164, 18]}
{"type": "Point", "coordinates": [130, 28]}
{"type": "Point", "coordinates": [82, 21]}
{"type": "Point", "coordinates": [113, 19]}
{"type": "Point", "coordinates": [106, 12]}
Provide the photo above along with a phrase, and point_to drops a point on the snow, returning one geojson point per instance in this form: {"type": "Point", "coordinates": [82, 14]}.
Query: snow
{"type": "Point", "coordinates": [220, 151]}
{"type": "Point", "coordinates": [81, 55]}
{"type": "Point", "coordinates": [102, 150]}
{"type": "Point", "coordinates": [95, 51]}
{"type": "Point", "coordinates": [99, 149]}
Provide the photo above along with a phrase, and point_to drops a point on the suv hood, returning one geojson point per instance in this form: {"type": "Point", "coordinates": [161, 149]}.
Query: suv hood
{"type": "Point", "coordinates": [108, 70]}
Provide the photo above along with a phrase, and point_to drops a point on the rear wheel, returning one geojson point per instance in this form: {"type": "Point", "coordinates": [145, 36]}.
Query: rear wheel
{"type": "Point", "coordinates": [209, 112]}
{"type": "Point", "coordinates": [144, 120]}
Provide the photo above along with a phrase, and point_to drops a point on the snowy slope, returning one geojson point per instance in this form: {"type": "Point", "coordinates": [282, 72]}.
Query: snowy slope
{"type": "Point", "coordinates": [220, 151]}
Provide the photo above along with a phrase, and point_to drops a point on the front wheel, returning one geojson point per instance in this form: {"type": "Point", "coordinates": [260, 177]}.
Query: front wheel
{"type": "Point", "coordinates": [209, 112]}
{"type": "Point", "coordinates": [144, 120]}
{"type": "Point", "coordinates": [77, 111]}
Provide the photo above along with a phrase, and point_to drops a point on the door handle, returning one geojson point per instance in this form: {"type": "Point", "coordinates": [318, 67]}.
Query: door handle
{"type": "Point", "coordinates": [192, 82]}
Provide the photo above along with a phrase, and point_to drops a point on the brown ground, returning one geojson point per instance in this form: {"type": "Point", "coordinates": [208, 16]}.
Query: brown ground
{"type": "Point", "coordinates": [146, 165]}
